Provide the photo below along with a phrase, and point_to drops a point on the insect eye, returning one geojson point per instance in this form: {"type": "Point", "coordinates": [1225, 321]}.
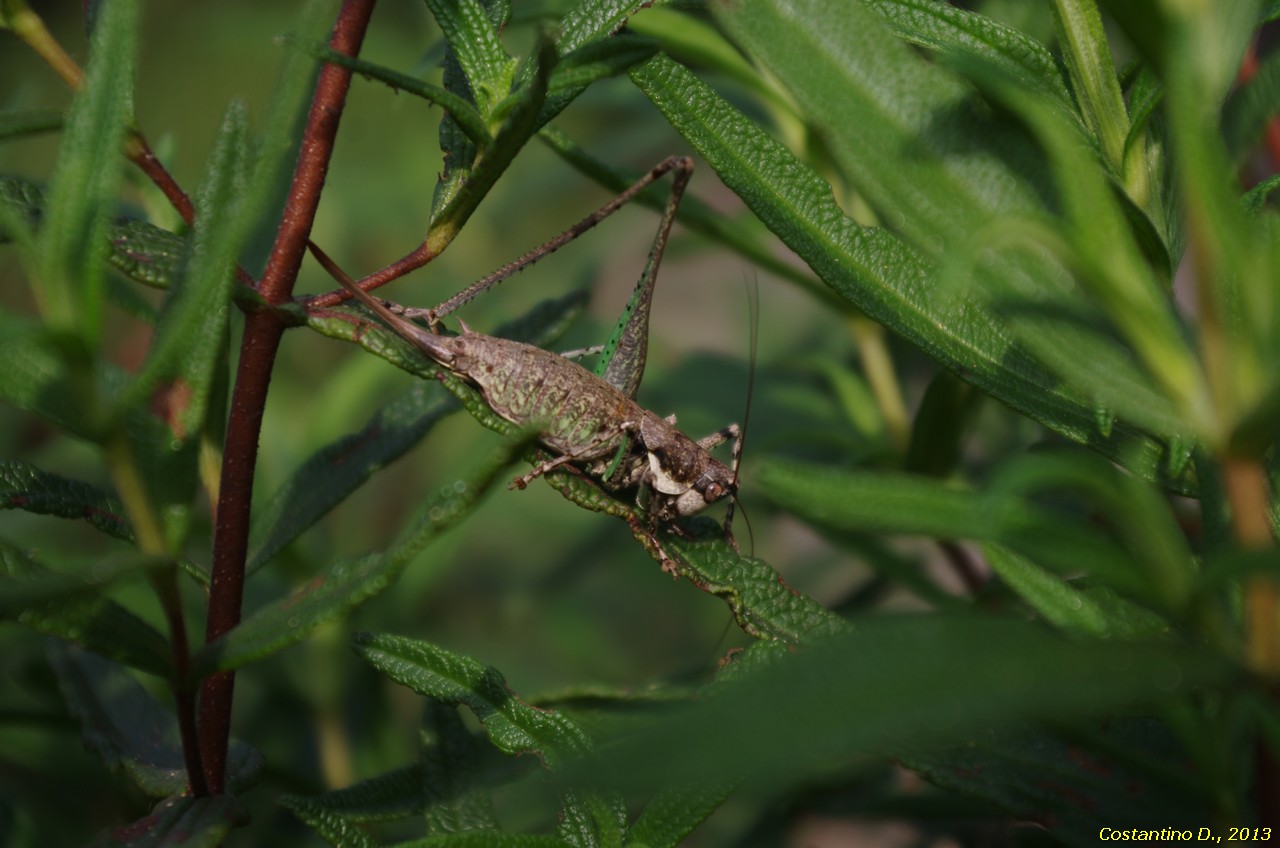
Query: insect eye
{"type": "Point", "coordinates": [712, 492]}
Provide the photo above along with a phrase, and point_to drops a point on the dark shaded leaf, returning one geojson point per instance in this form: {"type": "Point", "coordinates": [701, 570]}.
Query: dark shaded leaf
{"type": "Point", "coordinates": [132, 734]}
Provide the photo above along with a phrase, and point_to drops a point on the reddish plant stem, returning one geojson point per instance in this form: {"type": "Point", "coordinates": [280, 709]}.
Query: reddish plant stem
{"type": "Point", "coordinates": [140, 154]}
{"type": "Point", "coordinates": [261, 342]}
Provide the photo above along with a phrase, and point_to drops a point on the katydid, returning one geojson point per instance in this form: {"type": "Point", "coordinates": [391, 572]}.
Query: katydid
{"type": "Point", "coordinates": [588, 419]}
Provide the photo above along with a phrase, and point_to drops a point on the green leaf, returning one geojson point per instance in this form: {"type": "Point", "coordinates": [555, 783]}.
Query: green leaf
{"type": "Point", "coordinates": [17, 123]}
{"type": "Point", "coordinates": [75, 608]}
{"type": "Point", "coordinates": [892, 503]}
{"type": "Point", "coordinates": [192, 333]}
{"type": "Point", "coordinates": [928, 682]}
{"type": "Point", "coordinates": [459, 109]}
{"type": "Point", "coordinates": [762, 603]}
{"type": "Point", "coordinates": [347, 584]}
{"type": "Point", "coordinates": [1093, 75]}
{"type": "Point", "coordinates": [513, 726]}
{"type": "Point", "coordinates": [1131, 768]}
{"type": "Point", "coordinates": [132, 734]}
{"type": "Point", "coordinates": [1067, 606]}
{"type": "Point", "coordinates": [487, 840]}
{"type": "Point", "coordinates": [452, 781]}
{"type": "Point", "coordinates": [139, 250]}
{"type": "Point", "coordinates": [473, 38]}
{"type": "Point", "coordinates": [73, 238]}
{"type": "Point", "coordinates": [592, 819]}
{"type": "Point", "coordinates": [958, 32]}
{"type": "Point", "coordinates": [332, 473]}
{"type": "Point", "coordinates": [1162, 562]}
{"type": "Point", "coordinates": [36, 375]}
{"type": "Point", "coordinates": [674, 812]}
{"type": "Point", "coordinates": [26, 487]}
{"type": "Point", "coordinates": [394, 795]}
{"type": "Point", "coordinates": [332, 827]}
{"type": "Point", "coordinates": [873, 269]}
{"type": "Point", "coordinates": [182, 822]}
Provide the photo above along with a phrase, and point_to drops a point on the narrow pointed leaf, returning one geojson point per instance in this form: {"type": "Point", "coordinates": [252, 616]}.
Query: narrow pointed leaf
{"type": "Point", "coordinates": [133, 734]}
{"type": "Point", "coordinates": [192, 331]}
{"type": "Point", "coordinates": [891, 503]}
{"type": "Point", "coordinates": [1070, 607]}
{"type": "Point", "coordinates": [513, 726]}
{"type": "Point", "coordinates": [592, 819]}
{"type": "Point", "coordinates": [26, 487]}
{"type": "Point", "coordinates": [675, 812]}
{"type": "Point", "coordinates": [332, 827]}
{"type": "Point", "coordinates": [958, 32]}
{"type": "Point", "coordinates": [455, 798]}
{"type": "Point", "coordinates": [762, 603]}
{"type": "Point", "coordinates": [474, 41]}
{"type": "Point", "coordinates": [22, 122]}
{"type": "Point", "coordinates": [73, 237]}
{"type": "Point", "coordinates": [76, 609]}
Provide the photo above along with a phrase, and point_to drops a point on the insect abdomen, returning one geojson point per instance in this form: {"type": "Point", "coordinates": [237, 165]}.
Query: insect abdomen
{"type": "Point", "coordinates": [573, 408]}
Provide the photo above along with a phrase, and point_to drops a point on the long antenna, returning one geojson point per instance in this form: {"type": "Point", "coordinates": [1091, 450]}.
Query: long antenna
{"type": "Point", "coordinates": [753, 316]}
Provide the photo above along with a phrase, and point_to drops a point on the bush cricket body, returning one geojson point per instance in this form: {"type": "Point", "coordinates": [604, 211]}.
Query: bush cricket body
{"type": "Point", "coordinates": [589, 419]}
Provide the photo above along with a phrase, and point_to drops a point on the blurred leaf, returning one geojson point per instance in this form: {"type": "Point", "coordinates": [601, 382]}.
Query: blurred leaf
{"type": "Point", "coordinates": [332, 473]}
{"type": "Point", "coordinates": [921, 681]}
{"type": "Point", "coordinates": [1129, 769]}
{"type": "Point", "coordinates": [36, 376]}
{"type": "Point", "coordinates": [592, 63]}
{"type": "Point", "coordinates": [870, 267]}
{"type": "Point", "coordinates": [394, 795]}
{"type": "Point", "coordinates": [192, 332]}
{"type": "Point", "coordinates": [960, 32]}
{"type": "Point", "coordinates": [73, 238]}
{"type": "Point", "coordinates": [1140, 515]}
{"type": "Point", "coordinates": [26, 487]}
{"type": "Point", "coordinates": [17, 123]}
{"type": "Point", "coordinates": [1069, 607]}
{"type": "Point", "coordinates": [454, 796]}
{"type": "Point", "coordinates": [939, 426]}
{"type": "Point", "coordinates": [182, 822]}
{"type": "Point", "coordinates": [132, 734]}
{"type": "Point", "coordinates": [1087, 55]}
{"type": "Point", "coordinates": [513, 726]}
{"type": "Point", "coordinates": [1250, 107]}
{"type": "Point", "coordinates": [1109, 261]}
{"type": "Point", "coordinates": [674, 813]}
{"type": "Point", "coordinates": [893, 503]}
{"type": "Point", "coordinates": [75, 608]}
{"type": "Point", "coordinates": [139, 250]}
{"type": "Point", "coordinates": [347, 584]}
